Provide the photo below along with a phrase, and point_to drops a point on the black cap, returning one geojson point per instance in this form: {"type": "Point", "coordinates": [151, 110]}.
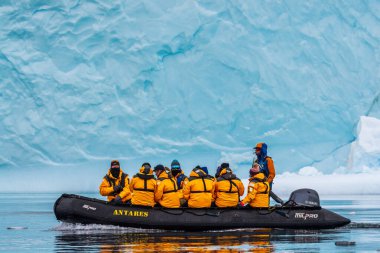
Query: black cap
{"type": "Point", "coordinates": [159, 167]}
{"type": "Point", "coordinates": [115, 162]}
{"type": "Point", "coordinates": [225, 165]}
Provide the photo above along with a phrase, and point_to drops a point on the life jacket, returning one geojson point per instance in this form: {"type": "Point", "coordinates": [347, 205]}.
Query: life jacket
{"type": "Point", "coordinates": [258, 191]}
{"type": "Point", "coordinates": [202, 176]}
{"type": "Point", "coordinates": [144, 177]}
{"type": "Point", "coordinates": [263, 163]}
{"type": "Point", "coordinates": [262, 181]}
{"type": "Point", "coordinates": [112, 181]}
{"type": "Point", "coordinates": [229, 177]}
{"type": "Point", "coordinates": [170, 177]}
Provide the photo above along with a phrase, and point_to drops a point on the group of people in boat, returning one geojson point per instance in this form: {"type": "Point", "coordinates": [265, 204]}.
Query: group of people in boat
{"type": "Point", "coordinates": [171, 188]}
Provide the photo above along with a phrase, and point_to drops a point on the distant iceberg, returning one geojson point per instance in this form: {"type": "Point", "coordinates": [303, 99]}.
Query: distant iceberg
{"type": "Point", "coordinates": [362, 176]}
{"type": "Point", "coordinates": [365, 151]}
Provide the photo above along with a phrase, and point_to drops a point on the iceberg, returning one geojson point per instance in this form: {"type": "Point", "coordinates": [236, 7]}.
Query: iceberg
{"type": "Point", "coordinates": [363, 167]}
{"type": "Point", "coordinates": [82, 83]}
{"type": "Point", "coordinates": [365, 150]}
{"type": "Point", "coordinates": [339, 181]}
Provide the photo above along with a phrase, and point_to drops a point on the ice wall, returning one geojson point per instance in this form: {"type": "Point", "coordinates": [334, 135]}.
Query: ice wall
{"type": "Point", "coordinates": [364, 167]}
{"type": "Point", "coordinates": [200, 81]}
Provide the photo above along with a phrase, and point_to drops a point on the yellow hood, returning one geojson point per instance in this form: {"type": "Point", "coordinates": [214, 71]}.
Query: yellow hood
{"type": "Point", "coordinates": [259, 176]}
{"type": "Point", "coordinates": [143, 168]}
{"type": "Point", "coordinates": [195, 174]}
{"type": "Point", "coordinates": [164, 174]}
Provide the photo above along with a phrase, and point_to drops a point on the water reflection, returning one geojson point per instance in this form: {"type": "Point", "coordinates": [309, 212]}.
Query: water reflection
{"type": "Point", "coordinates": [235, 241]}
{"type": "Point", "coordinates": [255, 240]}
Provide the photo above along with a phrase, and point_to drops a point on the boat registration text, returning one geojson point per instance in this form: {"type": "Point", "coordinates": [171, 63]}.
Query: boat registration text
{"type": "Point", "coordinates": [130, 213]}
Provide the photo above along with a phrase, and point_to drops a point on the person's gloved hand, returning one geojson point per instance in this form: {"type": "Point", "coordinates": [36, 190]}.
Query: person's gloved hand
{"type": "Point", "coordinates": [117, 188]}
{"type": "Point", "coordinates": [241, 204]}
{"type": "Point", "coordinates": [118, 200]}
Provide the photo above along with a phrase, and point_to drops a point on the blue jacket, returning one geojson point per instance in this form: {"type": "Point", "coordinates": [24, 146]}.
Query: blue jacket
{"type": "Point", "coordinates": [265, 162]}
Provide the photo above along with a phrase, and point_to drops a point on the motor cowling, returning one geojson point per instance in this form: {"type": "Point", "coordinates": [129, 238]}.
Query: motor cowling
{"type": "Point", "coordinates": [305, 197]}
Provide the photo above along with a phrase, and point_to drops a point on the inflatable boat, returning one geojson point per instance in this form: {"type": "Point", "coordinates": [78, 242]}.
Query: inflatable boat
{"type": "Point", "coordinates": [301, 211]}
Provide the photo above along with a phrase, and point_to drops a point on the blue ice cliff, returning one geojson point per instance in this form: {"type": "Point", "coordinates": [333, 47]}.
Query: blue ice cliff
{"type": "Point", "coordinates": [83, 82]}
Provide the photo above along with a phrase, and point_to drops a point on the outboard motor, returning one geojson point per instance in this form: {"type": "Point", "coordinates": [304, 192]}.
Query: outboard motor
{"type": "Point", "coordinates": [304, 197]}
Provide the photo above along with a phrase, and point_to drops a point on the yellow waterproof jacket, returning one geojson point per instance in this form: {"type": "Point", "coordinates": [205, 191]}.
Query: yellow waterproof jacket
{"type": "Point", "coordinates": [228, 189]}
{"type": "Point", "coordinates": [166, 191]}
{"type": "Point", "coordinates": [258, 191]}
{"type": "Point", "coordinates": [106, 187]}
{"type": "Point", "coordinates": [143, 187]}
{"type": "Point", "coordinates": [183, 181]}
{"type": "Point", "coordinates": [200, 189]}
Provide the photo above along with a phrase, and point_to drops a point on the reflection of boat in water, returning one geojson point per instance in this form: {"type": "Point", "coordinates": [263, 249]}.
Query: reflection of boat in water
{"type": "Point", "coordinates": [302, 212]}
{"type": "Point", "coordinates": [101, 238]}
{"type": "Point", "coordinates": [254, 240]}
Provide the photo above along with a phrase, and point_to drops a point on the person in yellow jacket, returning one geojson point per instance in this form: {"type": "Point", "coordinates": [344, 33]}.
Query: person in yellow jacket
{"type": "Point", "coordinates": [228, 188]}
{"type": "Point", "coordinates": [143, 186]}
{"type": "Point", "coordinates": [258, 189]}
{"type": "Point", "coordinates": [180, 177]}
{"type": "Point", "coordinates": [166, 192]}
{"type": "Point", "coordinates": [200, 189]}
{"type": "Point", "coordinates": [115, 185]}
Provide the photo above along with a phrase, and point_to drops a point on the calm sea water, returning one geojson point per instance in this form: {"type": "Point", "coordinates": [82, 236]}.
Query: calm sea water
{"type": "Point", "coordinates": [28, 224]}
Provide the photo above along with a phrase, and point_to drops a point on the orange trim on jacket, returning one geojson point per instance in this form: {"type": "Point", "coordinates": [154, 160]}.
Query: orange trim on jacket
{"type": "Point", "coordinates": [271, 169]}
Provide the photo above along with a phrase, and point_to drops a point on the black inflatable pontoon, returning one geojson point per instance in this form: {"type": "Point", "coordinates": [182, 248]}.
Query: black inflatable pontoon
{"type": "Point", "coordinates": [308, 215]}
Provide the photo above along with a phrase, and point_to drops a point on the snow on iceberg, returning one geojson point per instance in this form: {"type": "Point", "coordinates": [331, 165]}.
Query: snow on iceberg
{"type": "Point", "coordinates": [363, 167]}
{"type": "Point", "coordinates": [365, 151]}
{"type": "Point", "coordinates": [329, 184]}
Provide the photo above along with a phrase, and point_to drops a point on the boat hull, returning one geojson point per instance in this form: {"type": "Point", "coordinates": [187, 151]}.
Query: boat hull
{"type": "Point", "coordinates": [78, 209]}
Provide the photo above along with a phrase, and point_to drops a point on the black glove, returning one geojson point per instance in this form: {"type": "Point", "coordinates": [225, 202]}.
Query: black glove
{"type": "Point", "coordinates": [117, 188]}
{"type": "Point", "coordinates": [118, 200]}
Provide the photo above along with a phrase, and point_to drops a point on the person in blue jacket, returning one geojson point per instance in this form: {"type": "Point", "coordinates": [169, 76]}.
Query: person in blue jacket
{"type": "Point", "coordinates": [265, 162]}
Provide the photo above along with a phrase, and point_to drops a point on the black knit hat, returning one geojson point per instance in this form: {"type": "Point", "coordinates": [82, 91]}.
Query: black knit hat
{"type": "Point", "coordinates": [175, 164]}
{"type": "Point", "coordinates": [146, 165]}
